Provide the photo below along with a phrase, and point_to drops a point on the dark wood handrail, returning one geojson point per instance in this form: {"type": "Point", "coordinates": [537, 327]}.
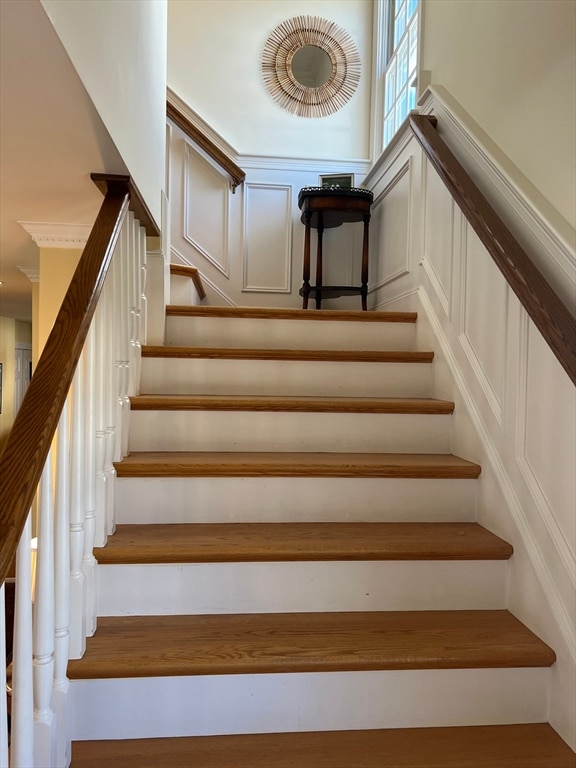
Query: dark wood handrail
{"type": "Point", "coordinates": [544, 307]}
{"type": "Point", "coordinates": [27, 446]}
{"type": "Point", "coordinates": [223, 160]}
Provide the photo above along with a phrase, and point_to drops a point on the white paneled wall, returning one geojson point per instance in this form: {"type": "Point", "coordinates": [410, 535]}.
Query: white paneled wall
{"type": "Point", "coordinates": [267, 227]}
{"type": "Point", "coordinates": [515, 411]}
{"type": "Point", "coordinates": [248, 245]}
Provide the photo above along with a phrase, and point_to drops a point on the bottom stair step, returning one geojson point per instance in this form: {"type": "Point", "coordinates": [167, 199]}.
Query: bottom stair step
{"type": "Point", "coordinates": [506, 746]}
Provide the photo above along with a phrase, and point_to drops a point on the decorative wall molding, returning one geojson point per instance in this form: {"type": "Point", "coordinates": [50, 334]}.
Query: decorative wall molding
{"type": "Point", "coordinates": [305, 164]}
{"type": "Point", "coordinates": [405, 169]}
{"type": "Point", "coordinates": [554, 599]}
{"type": "Point", "coordinates": [493, 398]}
{"type": "Point", "coordinates": [545, 509]}
{"type": "Point", "coordinates": [251, 225]}
{"type": "Point", "coordinates": [53, 235]}
{"type": "Point", "coordinates": [444, 293]}
{"type": "Point", "coordinates": [192, 154]}
{"type": "Point", "coordinates": [548, 238]}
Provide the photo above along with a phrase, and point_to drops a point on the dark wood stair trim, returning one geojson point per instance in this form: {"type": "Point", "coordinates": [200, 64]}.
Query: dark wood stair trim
{"type": "Point", "coordinates": [284, 464]}
{"type": "Point", "coordinates": [262, 643]}
{"type": "Point", "coordinates": [310, 355]}
{"type": "Point", "coordinates": [277, 313]}
{"type": "Point", "coordinates": [182, 270]}
{"type": "Point", "coordinates": [290, 403]}
{"type": "Point", "coordinates": [533, 745]}
{"type": "Point", "coordinates": [283, 542]}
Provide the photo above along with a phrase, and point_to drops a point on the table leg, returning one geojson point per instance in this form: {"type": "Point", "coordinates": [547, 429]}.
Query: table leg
{"type": "Point", "coordinates": [365, 245]}
{"type": "Point", "coordinates": [306, 270]}
{"type": "Point", "coordinates": [320, 230]}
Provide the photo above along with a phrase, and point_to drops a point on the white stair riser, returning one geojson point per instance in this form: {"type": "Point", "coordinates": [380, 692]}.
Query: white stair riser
{"type": "Point", "coordinates": [148, 590]}
{"type": "Point", "coordinates": [183, 291]}
{"type": "Point", "coordinates": [293, 499]}
{"type": "Point", "coordinates": [287, 334]}
{"type": "Point", "coordinates": [285, 431]}
{"type": "Point", "coordinates": [293, 377]}
{"type": "Point", "coordinates": [208, 705]}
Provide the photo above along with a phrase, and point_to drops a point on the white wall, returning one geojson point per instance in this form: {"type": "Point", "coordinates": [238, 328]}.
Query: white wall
{"type": "Point", "coordinates": [214, 58]}
{"type": "Point", "coordinates": [119, 52]}
{"type": "Point", "coordinates": [512, 66]}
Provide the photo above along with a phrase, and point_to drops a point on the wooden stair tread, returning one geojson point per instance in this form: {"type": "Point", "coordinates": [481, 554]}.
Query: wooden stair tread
{"type": "Point", "coordinates": [291, 403]}
{"type": "Point", "coordinates": [310, 355]}
{"type": "Point", "coordinates": [277, 313]}
{"type": "Point", "coordinates": [141, 646]}
{"type": "Point", "coordinates": [289, 464]}
{"type": "Point", "coordinates": [182, 270]}
{"type": "Point", "coordinates": [268, 542]}
{"type": "Point", "coordinates": [534, 745]}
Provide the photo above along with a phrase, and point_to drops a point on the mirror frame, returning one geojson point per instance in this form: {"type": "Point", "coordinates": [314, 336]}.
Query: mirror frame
{"type": "Point", "coordinates": [304, 101]}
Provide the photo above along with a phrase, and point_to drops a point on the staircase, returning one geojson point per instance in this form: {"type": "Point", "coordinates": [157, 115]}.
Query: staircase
{"type": "Point", "coordinates": [297, 577]}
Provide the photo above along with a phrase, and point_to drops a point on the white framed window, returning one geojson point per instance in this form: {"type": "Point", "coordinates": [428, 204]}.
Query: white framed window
{"type": "Point", "coordinates": [401, 41]}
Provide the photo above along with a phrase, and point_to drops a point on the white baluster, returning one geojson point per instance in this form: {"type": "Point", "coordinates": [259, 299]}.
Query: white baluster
{"type": "Point", "coordinates": [43, 637]}
{"type": "Point", "coordinates": [112, 389]}
{"type": "Point", "coordinates": [143, 299]}
{"type": "Point", "coordinates": [100, 414]}
{"type": "Point", "coordinates": [22, 730]}
{"type": "Point", "coordinates": [77, 514]}
{"type": "Point", "coordinates": [3, 701]}
{"type": "Point", "coordinates": [89, 561]}
{"type": "Point", "coordinates": [136, 308]}
{"type": "Point", "coordinates": [132, 309]}
{"type": "Point", "coordinates": [127, 327]}
{"type": "Point", "coordinates": [60, 701]}
{"type": "Point", "coordinates": [123, 340]}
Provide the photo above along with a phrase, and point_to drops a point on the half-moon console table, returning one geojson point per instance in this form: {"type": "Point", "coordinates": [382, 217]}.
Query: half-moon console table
{"type": "Point", "coordinates": [324, 208]}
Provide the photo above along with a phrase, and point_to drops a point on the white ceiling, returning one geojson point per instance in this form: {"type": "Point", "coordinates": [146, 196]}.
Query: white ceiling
{"type": "Point", "coordinates": [51, 139]}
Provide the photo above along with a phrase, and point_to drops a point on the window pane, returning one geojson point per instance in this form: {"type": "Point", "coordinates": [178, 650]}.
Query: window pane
{"type": "Point", "coordinates": [413, 46]}
{"type": "Point", "coordinates": [412, 98]}
{"type": "Point", "coordinates": [412, 5]}
{"type": "Point", "coordinates": [402, 73]}
{"type": "Point", "coordinates": [401, 108]}
{"type": "Point", "coordinates": [400, 23]}
{"type": "Point", "coordinates": [389, 128]}
{"type": "Point", "coordinates": [390, 85]}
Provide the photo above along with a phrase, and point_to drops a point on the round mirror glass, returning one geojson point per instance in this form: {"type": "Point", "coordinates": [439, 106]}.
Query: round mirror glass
{"type": "Point", "coordinates": [311, 66]}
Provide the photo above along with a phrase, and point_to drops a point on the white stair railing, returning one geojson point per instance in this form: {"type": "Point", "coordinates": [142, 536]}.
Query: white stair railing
{"type": "Point", "coordinates": [74, 512]}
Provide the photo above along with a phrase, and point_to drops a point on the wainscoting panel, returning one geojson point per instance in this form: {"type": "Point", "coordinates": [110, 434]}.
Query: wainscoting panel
{"type": "Point", "coordinates": [390, 232]}
{"type": "Point", "coordinates": [267, 257]}
{"type": "Point", "coordinates": [546, 438]}
{"type": "Point", "coordinates": [206, 218]}
{"type": "Point", "coordinates": [438, 236]}
{"type": "Point", "coordinates": [483, 318]}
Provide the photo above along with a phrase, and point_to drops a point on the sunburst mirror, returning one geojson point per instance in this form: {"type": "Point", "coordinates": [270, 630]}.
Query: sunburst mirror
{"type": "Point", "coordinates": [311, 66]}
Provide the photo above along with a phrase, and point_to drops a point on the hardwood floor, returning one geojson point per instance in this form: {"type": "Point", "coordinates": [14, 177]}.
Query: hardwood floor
{"type": "Point", "coordinates": [505, 746]}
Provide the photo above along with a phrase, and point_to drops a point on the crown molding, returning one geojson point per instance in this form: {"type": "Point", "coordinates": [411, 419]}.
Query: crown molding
{"type": "Point", "coordinates": [32, 273]}
{"type": "Point", "coordinates": [52, 235]}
